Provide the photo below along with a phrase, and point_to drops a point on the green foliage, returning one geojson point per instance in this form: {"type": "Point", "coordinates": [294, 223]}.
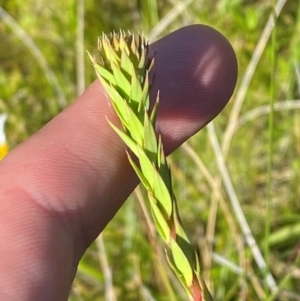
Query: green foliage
{"type": "Point", "coordinates": [139, 269]}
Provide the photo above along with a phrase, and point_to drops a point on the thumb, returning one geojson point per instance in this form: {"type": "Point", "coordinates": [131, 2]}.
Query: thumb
{"type": "Point", "coordinates": [195, 72]}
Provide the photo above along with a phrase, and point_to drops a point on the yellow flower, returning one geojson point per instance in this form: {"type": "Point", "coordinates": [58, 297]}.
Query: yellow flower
{"type": "Point", "coordinates": [3, 142]}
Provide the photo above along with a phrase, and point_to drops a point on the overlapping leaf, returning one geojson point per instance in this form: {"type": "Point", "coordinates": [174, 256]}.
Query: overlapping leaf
{"type": "Point", "coordinates": [124, 72]}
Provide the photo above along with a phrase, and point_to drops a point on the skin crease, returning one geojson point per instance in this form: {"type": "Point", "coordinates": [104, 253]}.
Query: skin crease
{"type": "Point", "coordinates": [60, 188]}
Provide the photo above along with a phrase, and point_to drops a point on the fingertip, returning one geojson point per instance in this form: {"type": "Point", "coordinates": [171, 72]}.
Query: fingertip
{"type": "Point", "coordinates": [195, 72]}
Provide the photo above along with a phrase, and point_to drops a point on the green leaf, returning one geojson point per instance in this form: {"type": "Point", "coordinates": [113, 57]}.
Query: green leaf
{"type": "Point", "coordinates": [119, 104]}
{"type": "Point", "coordinates": [133, 46]}
{"type": "Point", "coordinates": [162, 194]}
{"type": "Point", "coordinates": [163, 167]}
{"type": "Point", "coordinates": [108, 52]}
{"type": "Point", "coordinates": [121, 81]}
{"type": "Point", "coordinates": [134, 125]}
{"type": "Point", "coordinates": [105, 74]}
{"type": "Point", "coordinates": [144, 104]}
{"type": "Point", "coordinates": [123, 43]}
{"type": "Point", "coordinates": [136, 90]}
{"type": "Point", "coordinates": [154, 109]}
{"type": "Point", "coordinates": [179, 275]}
{"type": "Point", "coordinates": [127, 140]}
{"type": "Point", "coordinates": [150, 141]}
{"type": "Point", "coordinates": [160, 221]}
{"type": "Point", "coordinates": [126, 64]}
{"type": "Point", "coordinates": [115, 41]}
{"type": "Point", "coordinates": [157, 184]}
{"type": "Point", "coordinates": [180, 231]}
{"type": "Point", "coordinates": [143, 56]}
{"type": "Point", "coordinates": [151, 64]}
{"type": "Point", "coordinates": [147, 166]}
{"type": "Point", "coordinates": [197, 271]}
{"type": "Point", "coordinates": [139, 173]}
{"type": "Point", "coordinates": [160, 153]}
{"type": "Point", "coordinates": [181, 263]}
{"type": "Point", "coordinates": [207, 295]}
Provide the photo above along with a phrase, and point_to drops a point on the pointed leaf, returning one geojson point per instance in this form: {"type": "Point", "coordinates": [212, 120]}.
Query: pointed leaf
{"type": "Point", "coordinates": [205, 292]}
{"type": "Point", "coordinates": [134, 125]}
{"type": "Point", "coordinates": [121, 81]}
{"type": "Point", "coordinates": [150, 141]}
{"type": "Point", "coordinates": [104, 73]}
{"type": "Point", "coordinates": [178, 274]}
{"type": "Point", "coordinates": [163, 167]}
{"type": "Point", "coordinates": [123, 43]}
{"type": "Point", "coordinates": [117, 101]}
{"type": "Point", "coordinates": [126, 64]}
{"type": "Point", "coordinates": [136, 90]}
{"type": "Point", "coordinates": [161, 224]}
{"type": "Point", "coordinates": [127, 140]}
{"type": "Point", "coordinates": [133, 45]}
{"type": "Point", "coordinates": [154, 110]}
{"type": "Point", "coordinates": [162, 194]}
{"type": "Point", "coordinates": [115, 41]}
{"type": "Point", "coordinates": [143, 57]}
{"type": "Point", "coordinates": [147, 166]}
{"type": "Point", "coordinates": [139, 173]}
{"type": "Point", "coordinates": [181, 263]}
{"type": "Point", "coordinates": [108, 51]}
{"type": "Point", "coordinates": [144, 105]}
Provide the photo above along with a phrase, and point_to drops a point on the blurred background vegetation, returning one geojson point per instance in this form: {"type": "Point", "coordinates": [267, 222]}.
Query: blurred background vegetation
{"type": "Point", "coordinates": [44, 66]}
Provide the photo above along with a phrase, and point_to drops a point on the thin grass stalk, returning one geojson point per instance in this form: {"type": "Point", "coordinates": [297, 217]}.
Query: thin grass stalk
{"type": "Point", "coordinates": [153, 12]}
{"type": "Point", "coordinates": [237, 208]}
{"type": "Point", "coordinates": [123, 70]}
{"type": "Point", "coordinates": [247, 274]}
{"type": "Point", "coordinates": [186, 15]}
{"type": "Point", "coordinates": [231, 126]}
{"type": "Point", "coordinates": [178, 9]}
{"type": "Point", "coordinates": [241, 93]}
{"type": "Point", "coordinates": [255, 281]}
{"type": "Point", "coordinates": [149, 11]}
{"type": "Point", "coordinates": [107, 273]}
{"type": "Point", "coordinates": [271, 146]}
{"type": "Point", "coordinates": [285, 280]}
{"type": "Point", "coordinates": [145, 292]}
{"type": "Point", "coordinates": [265, 110]}
{"type": "Point", "coordinates": [214, 202]}
{"type": "Point", "coordinates": [218, 200]}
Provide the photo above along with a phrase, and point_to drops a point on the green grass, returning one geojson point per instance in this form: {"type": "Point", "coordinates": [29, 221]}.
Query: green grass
{"type": "Point", "coordinates": [123, 262]}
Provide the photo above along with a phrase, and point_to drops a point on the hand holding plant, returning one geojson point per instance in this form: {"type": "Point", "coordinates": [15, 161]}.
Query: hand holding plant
{"type": "Point", "coordinates": [58, 188]}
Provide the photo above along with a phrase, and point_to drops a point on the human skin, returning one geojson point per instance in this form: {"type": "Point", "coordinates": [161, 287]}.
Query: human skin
{"type": "Point", "coordinates": [60, 188]}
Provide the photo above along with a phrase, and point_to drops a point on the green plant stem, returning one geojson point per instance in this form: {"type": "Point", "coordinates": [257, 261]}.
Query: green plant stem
{"type": "Point", "coordinates": [270, 151]}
